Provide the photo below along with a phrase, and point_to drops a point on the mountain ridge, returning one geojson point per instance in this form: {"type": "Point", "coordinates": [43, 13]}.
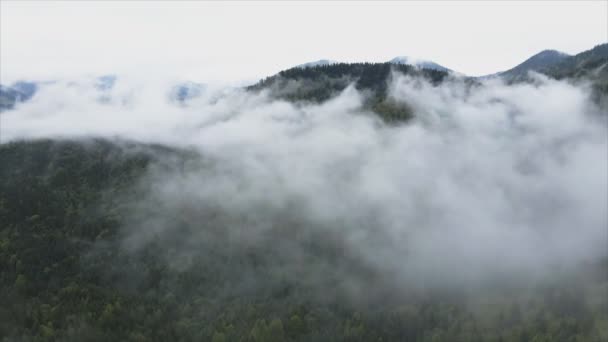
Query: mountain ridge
{"type": "Point", "coordinates": [420, 63]}
{"type": "Point", "coordinates": [536, 62]}
{"type": "Point", "coordinates": [591, 63]}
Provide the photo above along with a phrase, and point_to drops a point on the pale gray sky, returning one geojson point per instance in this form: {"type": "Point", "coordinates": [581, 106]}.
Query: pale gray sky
{"type": "Point", "coordinates": [247, 40]}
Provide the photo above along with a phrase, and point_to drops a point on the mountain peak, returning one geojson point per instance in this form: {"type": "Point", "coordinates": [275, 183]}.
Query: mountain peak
{"type": "Point", "coordinates": [547, 56]}
{"type": "Point", "coordinates": [552, 52]}
{"type": "Point", "coordinates": [420, 63]}
{"type": "Point", "coordinates": [537, 62]}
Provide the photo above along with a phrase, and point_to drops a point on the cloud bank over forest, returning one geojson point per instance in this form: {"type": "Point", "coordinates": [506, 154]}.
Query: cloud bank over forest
{"type": "Point", "coordinates": [501, 179]}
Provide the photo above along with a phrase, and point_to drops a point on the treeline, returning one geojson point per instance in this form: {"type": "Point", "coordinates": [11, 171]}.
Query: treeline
{"type": "Point", "coordinates": [320, 83]}
{"type": "Point", "coordinates": [70, 270]}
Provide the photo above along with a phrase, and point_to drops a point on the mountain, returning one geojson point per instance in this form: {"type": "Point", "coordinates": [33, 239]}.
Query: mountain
{"type": "Point", "coordinates": [588, 66]}
{"type": "Point", "coordinates": [538, 62]}
{"type": "Point", "coordinates": [23, 91]}
{"type": "Point", "coordinates": [114, 240]}
{"type": "Point", "coordinates": [591, 63]}
{"type": "Point", "coordinates": [420, 63]}
{"type": "Point", "coordinates": [322, 82]}
{"type": "Point", "coordinates": [186, 91]}
{"type": "Point", "coordinates": [317, 63]}
{"type": "Point", "coordinates": [20, 91]}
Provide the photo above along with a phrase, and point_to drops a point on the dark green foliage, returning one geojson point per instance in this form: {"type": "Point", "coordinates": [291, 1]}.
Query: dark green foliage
{"type": "Point", "coordinates": [320, 83]}
{"type": "Point", "coordinates": [67, 273]}
{"type": "Point", "coordinates": [592, 63]}
{"type": "Point", "coordinates": [590, 66]}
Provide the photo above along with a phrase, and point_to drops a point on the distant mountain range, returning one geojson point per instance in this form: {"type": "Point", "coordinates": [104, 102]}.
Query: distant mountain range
{"type": "Point", "coordinates": [321, 81]}
{"type": "Point", "coordinates": [419, 63]}
{"type": "Point", "coordinates": [591, 64]}
{"type": "Point", "coordinates": [550, 62]}
{"type": "Point", "coordinates": [18, 92]}
{"type": "Point", "coordinates": [22, 91]}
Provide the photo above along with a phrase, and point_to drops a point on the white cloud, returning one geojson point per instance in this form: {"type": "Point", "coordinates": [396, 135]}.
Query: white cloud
{"type": "Point", "coordinates": [247, 40]}
{"type": "Point", "coordinates": [496, 177]}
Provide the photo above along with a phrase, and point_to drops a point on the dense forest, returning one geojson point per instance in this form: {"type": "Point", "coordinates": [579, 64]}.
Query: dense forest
{"type": "Point", "coordinates": [322, 82]}
{"type": "Point", "coordinates": [233, 171]}
{"type": "Point", "coordinates": [96, 245]}
{"type": "Point", "coordinates": [75, 269]}
{"type": "Point", "coordinates": [590, 63]}
{"type": "Point", "coordinates": [587, 67]}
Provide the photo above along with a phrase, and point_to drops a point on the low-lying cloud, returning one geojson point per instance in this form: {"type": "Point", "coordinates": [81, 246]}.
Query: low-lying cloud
{"type": "Point", "coordinates": [486, 179]}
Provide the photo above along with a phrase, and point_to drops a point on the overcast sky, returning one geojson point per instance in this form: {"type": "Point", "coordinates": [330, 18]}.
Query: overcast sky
{"type": "Point", "coordinates": [244, 41]}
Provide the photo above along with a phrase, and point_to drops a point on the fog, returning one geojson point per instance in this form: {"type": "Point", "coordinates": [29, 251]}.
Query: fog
{"type": "Point", "coordinates": [487, 180]}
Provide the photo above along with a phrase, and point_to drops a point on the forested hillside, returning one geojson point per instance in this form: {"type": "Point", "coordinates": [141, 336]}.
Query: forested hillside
{"type": "Point", "coordinates": [589, 66]}
{"type": "Point", "coordinates": [590, 63]}
{"type": "Point", "coordinates": [74, 268]}
{"type": "Point", "coordinates": [206, 171]}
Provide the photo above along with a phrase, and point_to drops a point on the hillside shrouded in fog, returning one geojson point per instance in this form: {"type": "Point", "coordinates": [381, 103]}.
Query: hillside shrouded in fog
{"type": "Point", "coordinates": [162, 180]}
{"type": "Point", "coordinates": [241, 215]}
